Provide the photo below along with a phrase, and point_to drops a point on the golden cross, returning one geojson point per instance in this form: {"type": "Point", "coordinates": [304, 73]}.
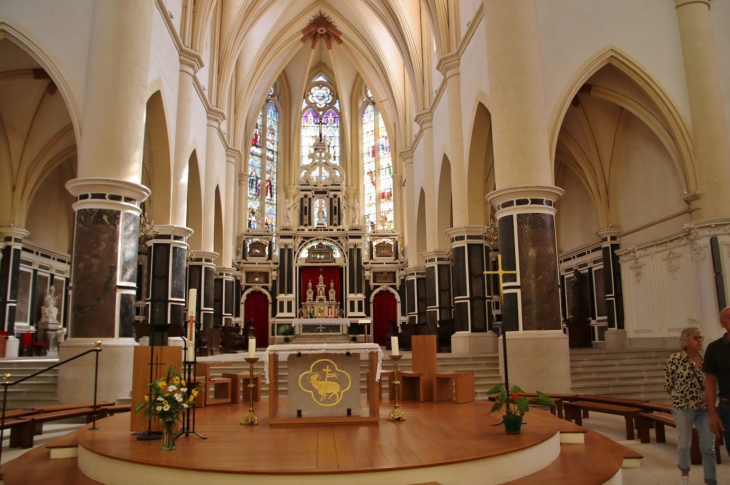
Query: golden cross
{"type": "Point", "coordinates": [501, 274]}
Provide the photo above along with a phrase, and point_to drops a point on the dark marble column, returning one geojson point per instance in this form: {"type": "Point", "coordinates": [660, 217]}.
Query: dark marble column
{"type": "Point", "coordinates": [12, 240]}
{"type": "Point", "coordinates": [472, 296]}
{"type": "Point", "coordinates": [527, 243]}
{"type": "Point", "coordinates": [439, 305]}
{"type": "Point", "coordinates": [223, 297]}
{"type": "Point", "coordinates": [104, 261]}
{"type": "Point", "coordinates": [201, 275]}
{"type": "Point", "coordinates": [355, 305]}
{"type": "Point", "coordinates": [166, 258]}
{"type": "Point", "coordinates": [416, 295]}
{"type": "Point", "coordinates": [612, 278]}
{"type": "Point", "coordinates": [286, 305]}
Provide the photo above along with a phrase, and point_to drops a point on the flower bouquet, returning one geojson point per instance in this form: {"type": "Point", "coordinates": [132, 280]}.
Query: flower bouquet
{"type": "Point", "coordinates": [517, 405]}
{"type": "Point", "coordinates": [167, 399]}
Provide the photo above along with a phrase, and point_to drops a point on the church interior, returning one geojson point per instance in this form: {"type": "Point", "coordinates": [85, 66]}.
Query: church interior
{"type": "Point", "coordinates": [280, 179]}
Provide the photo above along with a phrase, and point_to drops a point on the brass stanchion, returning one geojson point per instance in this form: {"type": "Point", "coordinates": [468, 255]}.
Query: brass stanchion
{"type": "Point", "coordinates": [250, 417]}
{"type": "Point", "coordinates": [396, 414]}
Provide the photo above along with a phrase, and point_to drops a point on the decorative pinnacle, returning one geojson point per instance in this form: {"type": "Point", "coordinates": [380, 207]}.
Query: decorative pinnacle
{"type": "Point", "coordinates": [97, 344]}
{"type": "Point", "coordinates": [6, 378]}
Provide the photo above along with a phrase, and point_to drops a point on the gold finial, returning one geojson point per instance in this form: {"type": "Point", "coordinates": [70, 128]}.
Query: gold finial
{"type": "Point", "coordinates": [97, 344]}
{"type": "Point", "coordinates": [6, 378]}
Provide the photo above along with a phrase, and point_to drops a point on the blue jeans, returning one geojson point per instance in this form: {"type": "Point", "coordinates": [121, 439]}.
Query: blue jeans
{"type": "Point", "coordinates": [684, 419]}
{"type": "Point", "coordinates": [723, 411]}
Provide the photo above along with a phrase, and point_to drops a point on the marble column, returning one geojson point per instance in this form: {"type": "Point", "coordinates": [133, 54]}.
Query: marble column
{"type": "Point", "coordinates": [223, 296]}
{"type": "Point", "coordinates": [12, 240]}
{"type": "Point", "coordinates": [709, 125]}
{"type": "Point", "coordinates": [416, 295]}
{"type": "Point", "coordinates": [201, 276]}
{"type": "Point", "coordinates": [165, 299]}
{"type": "Point", "coordinates": [472, 299]}
{"type": "Point", "coordinates": [356, 291]}
{"type": "Point", "coordinates": [615, 335]}
{"type": "Point", "coordinates": [438, 287]}
{"type": "Point", "coordinates": [286, 300]}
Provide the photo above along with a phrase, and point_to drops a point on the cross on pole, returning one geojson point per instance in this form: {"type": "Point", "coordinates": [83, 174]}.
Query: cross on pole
{"type": "Point", "coordinates": [501, 272]}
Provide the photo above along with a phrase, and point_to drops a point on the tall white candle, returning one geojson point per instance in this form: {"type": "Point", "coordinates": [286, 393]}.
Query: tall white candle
{"type": "Point", "coordinates": [394, 345]}
{"type": "Point", "coordinates": [252, 348]}
{"type": "Point", "coordinates": [192, 299]}
{"type": "Point", "coordinates": [192, 302]}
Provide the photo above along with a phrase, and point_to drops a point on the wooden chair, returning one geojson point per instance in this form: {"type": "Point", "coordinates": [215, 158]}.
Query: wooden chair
{"type": "Point", "coordinates": [239, 385]}
{"type": "Point", "coordinates": [458, 386]}
{"type": "Point", "coordinates": [221, 385]}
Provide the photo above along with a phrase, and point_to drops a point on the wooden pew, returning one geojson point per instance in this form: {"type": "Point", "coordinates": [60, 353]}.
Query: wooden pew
{"type": "Point", "coordinates": [573, 411]}
{"type": "Point", "coordinates": [661, 419]}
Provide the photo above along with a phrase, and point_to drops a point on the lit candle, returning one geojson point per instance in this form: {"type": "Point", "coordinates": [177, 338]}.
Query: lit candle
{"type": "Point", "coordinates": [192, 297]}
{"type": "Point", "coordinates": [394, 345]}
{"type": "Point", "coordinates": [252, 348]}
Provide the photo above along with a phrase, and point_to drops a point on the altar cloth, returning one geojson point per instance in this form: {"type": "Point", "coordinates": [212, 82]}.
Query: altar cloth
{"type": "Point", "coordinates": [320, 321]}
{"type": "Point", "coordinates": [353, 348]}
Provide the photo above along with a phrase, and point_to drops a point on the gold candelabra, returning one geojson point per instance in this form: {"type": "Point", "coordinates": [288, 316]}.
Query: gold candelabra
{"type": "Point", "coordinates": [250, 417]}
{"type": "Point", "coordinates": [397, 413]}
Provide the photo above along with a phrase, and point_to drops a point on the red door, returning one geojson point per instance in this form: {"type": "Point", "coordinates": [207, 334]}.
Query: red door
{"type": "Point", "coordinates": [384, 307]}
{"type": "Point", "coordinates": [256, 308]}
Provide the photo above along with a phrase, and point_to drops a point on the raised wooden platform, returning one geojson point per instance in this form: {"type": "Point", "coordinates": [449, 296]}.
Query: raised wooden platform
{"type": "Point", "coordinates": [441, 442]}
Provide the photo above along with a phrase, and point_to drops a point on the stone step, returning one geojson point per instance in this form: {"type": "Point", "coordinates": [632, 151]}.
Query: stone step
{"type": "Point", "coordinates": [621, 374]}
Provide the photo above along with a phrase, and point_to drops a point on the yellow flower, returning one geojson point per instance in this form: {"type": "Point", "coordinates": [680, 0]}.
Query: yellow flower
{"type": "Point", "coordinates": [191, 398]}
{"type": "Point", "coordinates": [164, 403]}
{"type": "Point", "coordinates": [183, 382]}
{"type": "Point", "coordinates": [163, 383]}
{"type": "Point", "coordinates": [194, 393]}
{"type": "Point", "coordinates": [146, 398]}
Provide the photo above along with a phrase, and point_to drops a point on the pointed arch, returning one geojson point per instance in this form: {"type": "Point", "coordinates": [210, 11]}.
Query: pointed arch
{"type": "Point", "coordinates": [420, 241]}
{"type": "Point", "coordinates": [195, 203]}
{"type": "Point", "coordinates": [676, 137]}
{"type": "Point", "coordinates": [218, 225]}
{"type": "Point", "coordinates": [444, 209]}
{"type": "Point", "coordinates": [478, 166]}
{"type": "Point", "coordinates": [158, 167]}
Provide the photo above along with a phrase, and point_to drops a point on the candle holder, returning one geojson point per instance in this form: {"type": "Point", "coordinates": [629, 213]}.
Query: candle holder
{"type": "Point", "coordinates": [396, 414]}
{"type": "Point", "coordinates": [250, 417]}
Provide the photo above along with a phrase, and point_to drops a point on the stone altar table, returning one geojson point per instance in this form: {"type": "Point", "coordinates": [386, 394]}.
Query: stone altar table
{"type": "Point", "coordinates": [323, 383]}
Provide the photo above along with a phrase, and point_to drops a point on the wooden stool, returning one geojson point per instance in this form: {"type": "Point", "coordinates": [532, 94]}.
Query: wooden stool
{"type": "Point", "coordinates": [221, 386]}
{"type": "Point", "coordinates": [445, 382]}
{"type": "Point", "coordinates": [383, 373]}
{"type": "Point", "coordinates": [239, 386]}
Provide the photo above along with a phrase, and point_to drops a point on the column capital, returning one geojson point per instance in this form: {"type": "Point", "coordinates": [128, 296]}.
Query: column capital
{"type": "Point", "coordinates": [425, 119]}
{"type": "Point", "coordinates": [407, 156]}
{"type": "Point", "coordinates": [435, 257]}
{"type": "Point", "coordinates": [609, 233]}
{"type": "Point", "coordinates": [8, 234]}
{"type": "Point", "coordinates": [415, 272]}
{"type": "Point", "coordinates": [474, 232]}
{"type": "Point", "coordinates": [215, 117]}
{"type": "Point", "coordinates": [225, 272]}
{"type": "Point", "coordinates": [233, 155]}
{"type": "Point", "coordinates": [195, 256]}
{"type": "Point", "coordinates": [448, 65]}
{"type": "Point", "coordinates": [179, 233]}
{"type": "Point", "coordinates": [100, 192]}
{"type": "Point", "coordinates": [525, 199]}
{"type": "Point", "coordinates": [190, 61]}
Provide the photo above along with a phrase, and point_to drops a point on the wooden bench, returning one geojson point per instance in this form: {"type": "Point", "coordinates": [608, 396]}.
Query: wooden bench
{"type": "Point", "coordinates": [573, 411]}
{"type": "Point", "coordinates": [618, 401]}
{"type": "Point", "coordinates": [660, 420]}
{"type": "Point", "coordinates": [221, 386]}
{"type": "Point", "coordinates": [25, 434]}
{"type": "Point", "coordinates": [458, 386]}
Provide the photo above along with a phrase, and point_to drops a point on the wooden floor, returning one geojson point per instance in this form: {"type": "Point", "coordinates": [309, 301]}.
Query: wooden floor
{"type": "Point", "coordinates": [433, 434]}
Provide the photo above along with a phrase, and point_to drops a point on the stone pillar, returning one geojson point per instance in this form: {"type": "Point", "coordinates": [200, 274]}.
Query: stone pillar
{"type": "Point", "coordinates": [229, 221]}
{"type": "Point", "coordinates": [242, 204]}
{"type": "Point", "coordinates": [470, 258]}
{"type": "Point", "coordinates": [709, 126]}
{"type": "Point", "coordinates": [356, 300]}
{"type": "Point", "coordinates": [398, 203]}
{"type": "Point", "coordinates": [165, 299]}
{"type": "Point", "coordinates": [428, 167]}
{"type": "Point", "coordinates": [411, 225]}
{"type": "Point", "coordinates": [615, 334]}
{"type": "Point", "coordinates": [286, 299]}
{"type": "Point", "coordinates": [416, 295]}
{"type": "Point", "coordinates": [524, 199]}
{"type": "Point", "coordinates": [223, 297]}
{"type": "Point", "coordinates": [438, 287]}
{"type": "Point", "coordinates": [12, 240]}
{"type": "Point", "coordinates": [201, 275]}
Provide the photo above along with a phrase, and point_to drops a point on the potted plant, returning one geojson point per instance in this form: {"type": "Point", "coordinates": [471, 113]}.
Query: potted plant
{"type": "Point", "coordinates": [167, 399]}
{"type": "Point", "coordinates": [516, 405]}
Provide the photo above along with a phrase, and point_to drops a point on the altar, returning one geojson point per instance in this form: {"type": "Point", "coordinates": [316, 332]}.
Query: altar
{"type": "Point", "coordinates": [323, 383]}
{"type": "Point", "coordinates": [305, 326]}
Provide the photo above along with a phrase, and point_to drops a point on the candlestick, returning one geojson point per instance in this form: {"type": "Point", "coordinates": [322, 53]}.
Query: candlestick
{"type": "Point", "coordinates": [397, 413]}
{"type": "Point", "coordinates": [252, 348]}
{"type": "Point", "coordinates": [192, 302]}
{"type": "Point", "coordinates": [250, 417]}
{"type": "Point", "coordinates": [394, 345]}
{"type": "Point", "coordinates": [190, 356]}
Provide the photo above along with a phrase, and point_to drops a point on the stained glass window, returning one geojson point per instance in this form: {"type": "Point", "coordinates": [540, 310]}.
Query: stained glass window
{"type": "Point", "coordinates": [331, 133]}
{"type": "Point", "coordinates": [320, 96]}
{"type": "Point", "coordinates": [377, 169]}
{"type": "Point", "coordinates": [262, 168]}
{"type": "Point", "coordinates": [310, 133]}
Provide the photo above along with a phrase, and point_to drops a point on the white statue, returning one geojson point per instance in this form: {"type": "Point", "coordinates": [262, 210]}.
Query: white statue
{"type": "Point", "coordinates": [49, 311]}
{"type": "Point", "coordinates": [355, 221]}
{"type": "Point", "coordinates": [287, 212]}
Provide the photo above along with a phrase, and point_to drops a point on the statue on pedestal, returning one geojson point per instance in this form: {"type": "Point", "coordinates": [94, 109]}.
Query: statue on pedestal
{"type": "Point", "coordinates": [49, 325]}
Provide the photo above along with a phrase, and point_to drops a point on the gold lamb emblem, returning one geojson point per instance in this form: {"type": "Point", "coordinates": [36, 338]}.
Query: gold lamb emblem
{"type": "Point", "coordinates": [325, 382]}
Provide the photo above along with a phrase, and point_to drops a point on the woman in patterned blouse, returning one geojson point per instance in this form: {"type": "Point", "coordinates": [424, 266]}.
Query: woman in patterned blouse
{"type": "Point", "coordinates": [684, 381]}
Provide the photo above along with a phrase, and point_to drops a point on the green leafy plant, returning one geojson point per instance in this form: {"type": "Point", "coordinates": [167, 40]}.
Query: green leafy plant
{"type": "Point", "coordinates": [517, 404]}
{"type": "Point", "coordinates": [168, 397]}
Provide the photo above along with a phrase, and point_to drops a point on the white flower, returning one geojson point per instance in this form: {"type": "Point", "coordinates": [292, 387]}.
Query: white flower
{"type": "Point", "coordinates": [185, 405]}
{"type": "Point", "coordinates": [178, 398]}
{"type": "Point", "coordinates": [184, 389]}
{"type": "Point", "coordinates": [171, 388]}
{"type": "Point", "coordinates": [166, 408]}
{"type": "Point", "coordinates": [160, 398]}
{"type": "Point", "coordinates": [158, 408]}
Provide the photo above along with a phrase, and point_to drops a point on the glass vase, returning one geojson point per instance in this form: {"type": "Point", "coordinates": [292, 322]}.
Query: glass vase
{"type": "Point", "coordinates": [168, 435]}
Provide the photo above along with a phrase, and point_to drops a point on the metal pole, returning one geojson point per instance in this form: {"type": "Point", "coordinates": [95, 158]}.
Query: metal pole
{"type": "Point", "coordinates": [6, 378]}
{"type": "Point", "coordinates": [97, 344]}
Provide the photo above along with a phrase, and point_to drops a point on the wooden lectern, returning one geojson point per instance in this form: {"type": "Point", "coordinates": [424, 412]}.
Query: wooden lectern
{"type": "Point", "coordinates": [162, 359]}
